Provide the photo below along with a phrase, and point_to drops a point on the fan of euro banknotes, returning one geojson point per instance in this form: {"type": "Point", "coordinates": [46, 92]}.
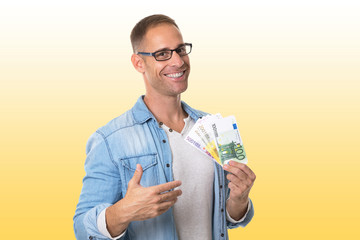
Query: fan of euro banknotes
{"type": "Point", "coordinates": [219, 138]}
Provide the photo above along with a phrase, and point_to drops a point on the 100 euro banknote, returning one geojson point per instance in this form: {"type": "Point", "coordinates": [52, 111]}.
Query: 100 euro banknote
{"type": "Point", "coordinates": [228, 141]}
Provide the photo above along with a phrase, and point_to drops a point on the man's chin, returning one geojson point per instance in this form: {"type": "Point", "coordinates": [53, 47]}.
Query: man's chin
{"type": "Point", "coordinates": [183, 90]}
{"type": "Point", "coordinates": [177, 92]}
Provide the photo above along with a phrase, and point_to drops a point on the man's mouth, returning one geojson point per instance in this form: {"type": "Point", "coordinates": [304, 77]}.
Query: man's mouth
{"type": "Point", "coordinates": [175, 75]}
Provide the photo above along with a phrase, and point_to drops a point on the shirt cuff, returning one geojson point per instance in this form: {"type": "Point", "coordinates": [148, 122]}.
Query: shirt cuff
{"type": "Point", "coordinates": [101, 224]}
{"type": "Point", "coordinates": [230, 219]}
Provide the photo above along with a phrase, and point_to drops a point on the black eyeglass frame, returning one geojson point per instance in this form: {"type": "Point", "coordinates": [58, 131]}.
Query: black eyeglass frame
{"type": "Point", "coordinates": [171, 52]}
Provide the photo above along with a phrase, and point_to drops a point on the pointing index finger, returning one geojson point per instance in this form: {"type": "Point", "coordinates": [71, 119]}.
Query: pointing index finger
{"type": "Point", "coordinates": [167, 186]}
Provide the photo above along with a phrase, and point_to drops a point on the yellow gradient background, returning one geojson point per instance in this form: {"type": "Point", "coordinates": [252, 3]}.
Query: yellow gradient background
{"type": "Point", "coordinates": [288, 70]}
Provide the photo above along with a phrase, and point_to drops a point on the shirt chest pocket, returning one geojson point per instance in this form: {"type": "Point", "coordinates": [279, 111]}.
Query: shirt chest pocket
{"type": "Point", "coordinates": [149, 164]}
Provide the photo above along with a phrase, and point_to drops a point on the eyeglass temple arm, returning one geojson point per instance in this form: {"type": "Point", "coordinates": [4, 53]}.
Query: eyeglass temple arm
{"type": "Point", "coordinates": [145, 53]}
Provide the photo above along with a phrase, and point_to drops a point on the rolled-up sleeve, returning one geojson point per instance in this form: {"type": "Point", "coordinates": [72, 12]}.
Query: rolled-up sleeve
{"type": "Point", "coordinates": [244, 221]}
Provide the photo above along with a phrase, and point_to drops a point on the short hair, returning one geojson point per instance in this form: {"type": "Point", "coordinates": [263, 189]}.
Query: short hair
{"type": "Point", "coordinates": [141, 28]}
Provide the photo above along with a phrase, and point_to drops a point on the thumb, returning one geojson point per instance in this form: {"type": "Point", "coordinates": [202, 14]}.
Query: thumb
{"type": "Point", "coordinates": [137, 175]}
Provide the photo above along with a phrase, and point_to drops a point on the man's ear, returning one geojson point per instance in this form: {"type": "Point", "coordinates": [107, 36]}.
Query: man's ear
{"type": "Point", "coordinates": [138, 63]}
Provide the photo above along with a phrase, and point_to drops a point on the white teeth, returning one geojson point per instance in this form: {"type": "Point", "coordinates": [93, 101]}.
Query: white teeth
{"type": "Point", "coordinates": [175, 75]}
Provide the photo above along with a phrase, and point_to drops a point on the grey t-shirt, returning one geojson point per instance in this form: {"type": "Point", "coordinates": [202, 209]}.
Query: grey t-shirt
{"type": "Point", "coordinates": [193, 210]}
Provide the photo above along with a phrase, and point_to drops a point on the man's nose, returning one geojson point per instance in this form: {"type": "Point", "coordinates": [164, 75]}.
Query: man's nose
{"type": "Point", "coordinates": [176, 60]}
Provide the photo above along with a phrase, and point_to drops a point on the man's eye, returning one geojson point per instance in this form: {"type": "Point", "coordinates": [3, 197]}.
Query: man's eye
{"type": "Point", "coordinates": [163, 54]}
{"type": "Point", "coordinates": [181, 50]}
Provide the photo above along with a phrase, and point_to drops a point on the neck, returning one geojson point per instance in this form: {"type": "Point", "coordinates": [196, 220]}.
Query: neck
{"type": "Point", "coordinates": [167, 109]}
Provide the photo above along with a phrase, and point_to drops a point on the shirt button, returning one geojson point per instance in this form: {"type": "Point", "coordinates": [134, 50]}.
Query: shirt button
{"type": "Point", "coordinates": [222, 210]}
{"type": "Point", "coordinates": [164, 141]}
{"type": "Point", "coordinates": [168, 165]}
{"type": "Point", "coordinates": [220, 186]}
{"type": "Point", "coordinates": [170, 130]}
{"type": "Point", "coordinates": [161, 123]}
{"type": "Point", "coordinates": [222, 234]}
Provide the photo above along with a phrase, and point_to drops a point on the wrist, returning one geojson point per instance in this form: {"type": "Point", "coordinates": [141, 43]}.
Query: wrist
{"type": "Point", "coordinates": [117, 220]}
{"type": "Point", "coordinates": [237, 209]}
{"type": "Point", "coordinates": [238, 203]}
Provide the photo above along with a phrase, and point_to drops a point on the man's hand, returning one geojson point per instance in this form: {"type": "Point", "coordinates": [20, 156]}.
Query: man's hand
{"type": "Point", "coordinates": [140, 203]}
{"type": "Point", "coordinates": [241, 179]}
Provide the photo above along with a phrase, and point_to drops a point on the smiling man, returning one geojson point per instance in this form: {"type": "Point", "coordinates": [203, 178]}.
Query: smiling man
{"type": "Point", "coordinates": [143, 181]}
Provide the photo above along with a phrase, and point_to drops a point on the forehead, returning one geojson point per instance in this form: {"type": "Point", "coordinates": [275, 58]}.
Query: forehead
{"type": "Point", "coordinates": [162, 36]}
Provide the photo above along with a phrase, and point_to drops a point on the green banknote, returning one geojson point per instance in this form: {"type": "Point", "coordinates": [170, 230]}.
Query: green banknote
{"type": "Point", "coordinates": [228, 141]}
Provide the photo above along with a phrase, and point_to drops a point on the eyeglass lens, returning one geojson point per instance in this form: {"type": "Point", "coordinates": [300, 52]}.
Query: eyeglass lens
{"type": "Point", "coordinates": [167, 54]}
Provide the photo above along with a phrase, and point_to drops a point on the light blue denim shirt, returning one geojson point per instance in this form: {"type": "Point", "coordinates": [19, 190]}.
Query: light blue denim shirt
{"type": "Point", "coordinates": [112, 154]}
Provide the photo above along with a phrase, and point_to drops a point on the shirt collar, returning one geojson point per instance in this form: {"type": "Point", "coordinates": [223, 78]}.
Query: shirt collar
{"type": "Point", "coordinates": [142, 114]}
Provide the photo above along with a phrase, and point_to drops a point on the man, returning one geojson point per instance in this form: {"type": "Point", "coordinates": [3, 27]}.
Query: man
{"type": "Point", "coordinates": [143, 181]}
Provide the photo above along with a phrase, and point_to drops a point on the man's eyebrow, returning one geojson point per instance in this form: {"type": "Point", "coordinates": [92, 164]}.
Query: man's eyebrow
{"type": "Point", "coordinates": [167, 49]}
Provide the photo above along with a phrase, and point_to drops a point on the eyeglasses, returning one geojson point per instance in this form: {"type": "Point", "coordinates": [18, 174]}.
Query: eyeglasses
{"type": "Point", "coordinates": [166, 54]}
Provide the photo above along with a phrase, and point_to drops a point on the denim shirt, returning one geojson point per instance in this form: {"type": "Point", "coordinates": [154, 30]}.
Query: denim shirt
{"type": "Point", "coordinates": [112, 154]}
